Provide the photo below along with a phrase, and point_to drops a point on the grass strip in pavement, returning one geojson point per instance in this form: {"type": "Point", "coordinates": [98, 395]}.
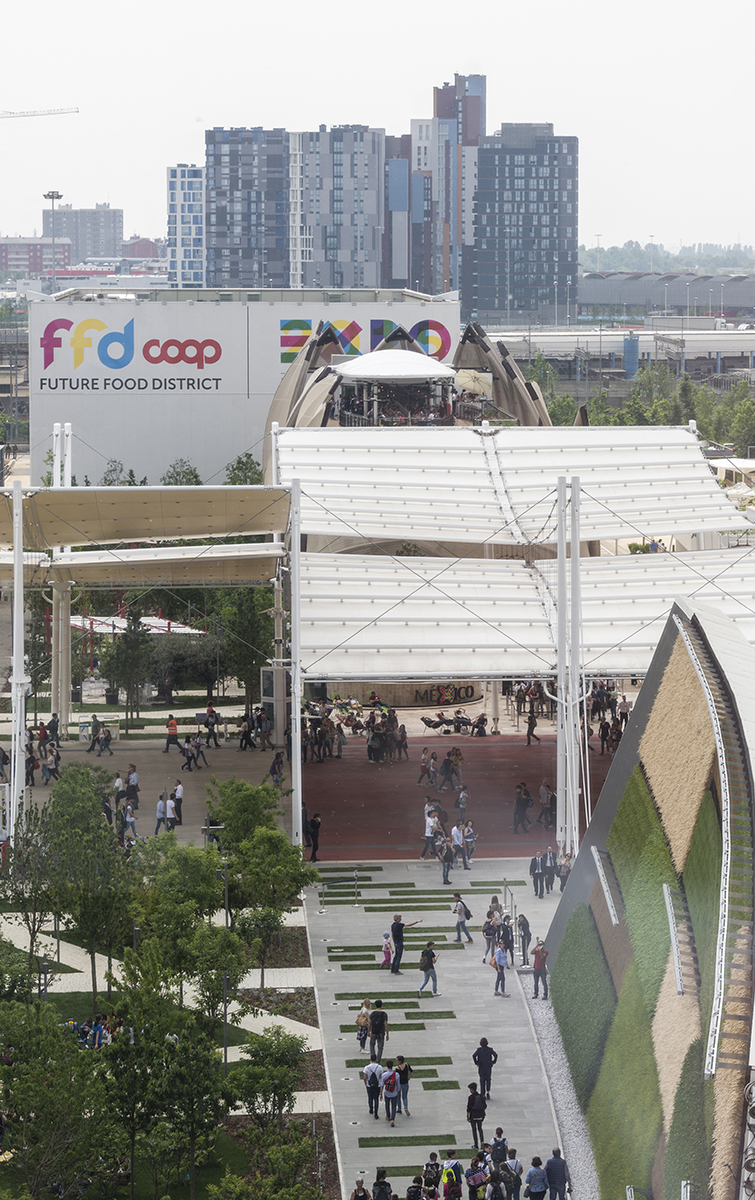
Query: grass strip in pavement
{"type": "Point", "coordinates": [445, 1139]}
{"type": "Point", "coordinates": [397, 1028]}
{"type": "Point", "coordinates": [338, 956]}
{"type": "Point", "coordinates": [438, 1060]}
{"type": "Point", "coordinates": [430, 1014]}
{"type": "Point", "coordinates": [349, 867]}
{"type": "Point", "coordinates": [441, 1085]}
{"type": "Point", "coordinates": [406, 1004]}
{"type": "Point", "coordinates": [360, 996]}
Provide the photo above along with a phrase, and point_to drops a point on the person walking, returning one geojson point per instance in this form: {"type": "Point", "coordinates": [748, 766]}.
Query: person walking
{"type": "Point", "coordinates": [405, 1072]}
{"type": "Point", "coordinates": [460, 852]}
{"type": "Point", "coordinates": [498, 962]}
{"type": "Point", "coordinates": [178, 801]}
{"type": "Point", "coordinates": [525, 936]}
{"type": "Point", "coordinates": [516, 1166]}
{"type": "Point", "coordinates": [430, 828]}
{"type": "Point", "coordinates": [360, 1191]}
{"type": "Point", "coordinates": [314, 833]}
{"type": "Point", "coordinates": [531, 727]}
{"type": "Point", "coordinates": [170, 812]}
{"type": "Point", "coordinates": [544, 816]}
{"type": "Point", "coordinates": [536, 1180]}
{"type": "Point", "coordinates": [172, 739]}
{"type": "Point", "coordinates": [521, 804]}
{"type": "Point", "coordinates": [537, 873]}
{"type": "Point", "coordinates": [564, 870]}
{"type": "Point", "coordinates": [397, 933]}
{"type": "Point", "coordinates": [159, 814]}
{"type": "Point", "coordinates": [476, 1108]}
{"type": "Point", "coordinates": [558, 1175]}
{"type": "Point", "coordinates": [389, 1090]}
{"type": "Point", "coordinates": [462, 916]}
{"type": "Point", "coordinates": [188, 754]}
{"type": "Point", "coordinates": [363, 1023]}
{"type": "Point", "coordinates": [373, 1077]}
{"type": "Point", "coordinates": [539, 955]}
{"type": "Point", "coordinates": [427, 961]}
{"type": "Point", "coordinates": [490, 932]}
{"type": "Point", "coordinates": [379, 1034]}
{"type": "Point", "coordinates": [423, 767]}
{"type": "Point", "coordinates": [211, 723]}
{"type": "Point", "coordinates": [447, 859]}
{"type": "Point", "coordinates": [485, 1058]}
{"type": "Point", "coordinates": [95, 731]}
{"type": "Point", "coordinates": [550, 862]}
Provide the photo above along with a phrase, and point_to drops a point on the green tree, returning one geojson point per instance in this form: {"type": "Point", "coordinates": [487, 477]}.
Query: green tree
{"type": "Point", "coordinates": [599, 411]}
{"type": "Point", "coordinates": [268, 1082]}
{"type": "Point", "coordinates": [562, 410]}
{"type": "Point", "coordinates": [59, 1129]}
{"type": "Point", "coordinates": [242, 807]}
{"type": "Point", "coordinates": [91, 878]}
{"type": "Point", "coordinates": [219, 963]}
{"type": "Point", "coordinates": [189, 874]}
{"type": "Point", "coordinates": [191, 1092]}
{"type": "Point", "coordinates": [244, 470]}
{"type": "Point", "coordinates": [275, 872]}
{"type": "Point", "coordinates": [181, 473]}
{"type": "Point", "coordinates": [247, 636]}
{"type": "Point", "coordinates": [176, 662]}
{"type": "Point", "coordinates": [742, 432]}
{"type": "Point", "coordinates": [281, 1162]}
{"type": "Point", "coordinates": [259, 928]}
{"type": "Point", "coordinates": [25, 883]}
{"type": "Point", "coordinates": [125, 660]}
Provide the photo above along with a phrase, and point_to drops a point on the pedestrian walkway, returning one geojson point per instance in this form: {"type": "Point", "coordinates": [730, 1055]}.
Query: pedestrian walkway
{"type": "Point", "coordinates": [436, 1035]}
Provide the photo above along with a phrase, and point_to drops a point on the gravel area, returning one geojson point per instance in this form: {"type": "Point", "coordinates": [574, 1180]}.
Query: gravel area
{"type": "Point", "coordinates": [576, 1147]}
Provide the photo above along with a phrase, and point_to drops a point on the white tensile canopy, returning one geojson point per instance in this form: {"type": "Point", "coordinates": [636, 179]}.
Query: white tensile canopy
{"type": "Point", "coordinates": [394, 366]}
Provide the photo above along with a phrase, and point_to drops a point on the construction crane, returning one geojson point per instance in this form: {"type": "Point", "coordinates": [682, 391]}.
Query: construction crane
{"type": "Point", "coordinates": [41, 112]}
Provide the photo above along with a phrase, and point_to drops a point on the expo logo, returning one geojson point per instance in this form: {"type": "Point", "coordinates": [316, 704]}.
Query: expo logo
{"type": "Point", "coordinates": [116, 350]}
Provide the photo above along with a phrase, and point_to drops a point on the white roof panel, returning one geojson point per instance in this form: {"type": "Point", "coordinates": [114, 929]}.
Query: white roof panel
{"type": "Point", "coordinates": [499, 486]}
{"type": "Point", "coordinates": [395, 365]}
{"type": "Point", "coordinates": [369, 617]}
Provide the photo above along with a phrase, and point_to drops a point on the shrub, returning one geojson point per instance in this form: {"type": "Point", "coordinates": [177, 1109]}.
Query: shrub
{"type": "Point", "coordinates": [584, 999]}
{"type": "Point", "coordinates": [646, 915]}
{"type": "Point", "coordinates": [635, 820]}
{"type": "Point", "coordinates": [702, 885]}
{"type": "Point", "coordinates": [624, 1114]}
{"type": "Point", "coordinates": [688, 1149]}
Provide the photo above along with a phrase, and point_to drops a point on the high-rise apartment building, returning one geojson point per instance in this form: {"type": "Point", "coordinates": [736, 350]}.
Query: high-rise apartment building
{"type": "Point", "coordinates": [294, 209]}
{"type": "Point", "coordinates": [525, 225]}
{"type": "Point", "coordinates": [430, 181]}
{"type": "Point", "coordinates": [186, 227]}
{"type": "Point", "coordinates": [33, 256]}
{"type": "Point", "coordinates": [94, 232]}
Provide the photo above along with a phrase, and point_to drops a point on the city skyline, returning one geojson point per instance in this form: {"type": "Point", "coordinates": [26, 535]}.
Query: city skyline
{"type": "Point", "coordinates": [661, 154]}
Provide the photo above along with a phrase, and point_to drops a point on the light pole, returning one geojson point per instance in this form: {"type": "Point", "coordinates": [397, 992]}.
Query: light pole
{"type": "Point", "coordinates": [722, 300]}
{"type": "Point", "coordinates": [52, 197]}
{"type": "Point", "coordinates": [555, 299]}
{"type": "Point", "coordinates": [651, 252]}
{"type": "Point", "coordinates": [695, 312]}
{"type": "Point", "coordinates": [598, 236]}
{"type": "Point", "coordinates": [710, 302]}
{"type": "Point", "coordinates": [688, 302]}
{"type": "Point", "coordinates": [665, 299]}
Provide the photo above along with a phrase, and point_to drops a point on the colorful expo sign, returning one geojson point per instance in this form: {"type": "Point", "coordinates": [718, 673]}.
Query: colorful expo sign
{"type": "Point", "coordinates": [433, 337]}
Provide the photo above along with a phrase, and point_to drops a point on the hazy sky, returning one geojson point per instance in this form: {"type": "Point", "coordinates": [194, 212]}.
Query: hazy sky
{"type": "Point", "coordinates": [659, 94]}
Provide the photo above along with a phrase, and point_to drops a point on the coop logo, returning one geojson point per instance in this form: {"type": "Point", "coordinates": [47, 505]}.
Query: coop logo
{"type": "Point", "coordinates": [116, 349]}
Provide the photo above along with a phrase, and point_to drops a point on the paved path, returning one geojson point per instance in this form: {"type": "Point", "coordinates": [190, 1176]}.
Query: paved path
{"type": "Point", "coordinates": [520, 1096]}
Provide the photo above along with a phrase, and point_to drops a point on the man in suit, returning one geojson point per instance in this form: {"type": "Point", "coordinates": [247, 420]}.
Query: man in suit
{"type": "Point", "coordinates": [537, 873]}
{"type": "Point", "coordinates": [550, 860]}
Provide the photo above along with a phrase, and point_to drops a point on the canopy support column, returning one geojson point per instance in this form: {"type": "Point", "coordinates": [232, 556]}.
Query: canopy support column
{"type": "Point", "coordinates": [561, 652]}
{"type": "Point", "coordinates": [296, 683]}
{"type": "Point", "coordinates": [574, 676]}
{"type": "Point", "coordinates": [19, 678]}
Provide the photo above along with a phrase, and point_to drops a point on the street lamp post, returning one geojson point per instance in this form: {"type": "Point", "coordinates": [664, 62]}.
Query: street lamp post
{"type": "Point", "coordinates": [52, 197]}
{"type": "Point", "coordinates": [722, 300]}
{"type": "Point", "coordinates": [598, 236]}
{"type": "Point", "coordinates": [651, 252]}
{"type": "Point", "coordinates": [710, 302]}
{"type": "Point", "coordinates": [665, 299]}
{"type": "Point", "coordinates": [555, 300]}
{"type": "Point", "coordinates": [687, 302]}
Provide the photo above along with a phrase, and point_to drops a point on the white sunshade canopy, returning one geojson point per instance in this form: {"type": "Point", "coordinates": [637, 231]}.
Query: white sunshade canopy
{"type": "Point", "coordinates": [499, 486]}
{"type": "Point", "coordinates": [369, 617]}
{"type": "Point", "coordinates": [396, 366]}
{"type": "Point", "coordinates": [76, 515]}
{"type": "Point", "coordinates": [150, 566]}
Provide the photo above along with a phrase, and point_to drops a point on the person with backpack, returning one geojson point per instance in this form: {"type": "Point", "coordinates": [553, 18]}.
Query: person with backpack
{"type": "Point", "coordinates": [381, 1189]}
{"type": "Point", "coordinates": [485, 1058]}
{"type": "Point", "coordinates": [447, 858]}
{"type": "Point", "coordinates": [462, 916]}
{"type": "Point", "coordinates": [414, 1191]}
{"type": "Point", "coordinates": [476, 1175]}
{"type": "Point", "coordinates": [405, 1072]}
{"type": "Point", "coordinates": [476, 1108]}
{"type": "Point", "coordinates": [432, 1171]}
{"type": "Point", "coordinates": [490, 933]}
{"type": "Point", "coordinates": [536, 1180]}
{"type": "Point", "coordinates": [497, 1188]}
{"type": "Point", "coordinates": [451, 1176]}
{"type": "Point", "coordinates": [427, 961]}
{"type": "Point", "coordinates": [373, 1077]}
{"type": "Point", "coordinates": [515, 1167]}
{"type": "Point", "coordinates": [378, 1030]}
{"type": "Point", "coordinates": [498, 1148]}
{"type": "Point", "coordinates": [390, 1088]}
{"type": "Point", "coordinates": [359, 1191]}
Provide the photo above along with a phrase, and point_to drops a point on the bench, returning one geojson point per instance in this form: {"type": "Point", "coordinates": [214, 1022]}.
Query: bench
{"type": "Point", "coordinates": [85, 730]}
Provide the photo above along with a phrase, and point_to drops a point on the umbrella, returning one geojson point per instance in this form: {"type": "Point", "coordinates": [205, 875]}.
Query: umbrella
{"type": "Point", "coordinates": [474, 381]}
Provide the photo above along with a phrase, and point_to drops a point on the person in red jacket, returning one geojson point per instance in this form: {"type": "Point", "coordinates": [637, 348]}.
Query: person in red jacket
{"type": "Point", "coordinates": [539, 956]}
